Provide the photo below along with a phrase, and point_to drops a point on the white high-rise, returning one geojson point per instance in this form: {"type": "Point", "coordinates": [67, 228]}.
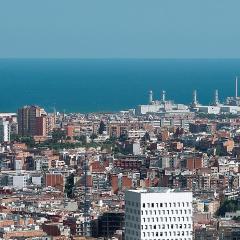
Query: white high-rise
{"type": "Point", "coordinates": [158, 214]}
{"type": "Point", "coordinates": [4, 131]}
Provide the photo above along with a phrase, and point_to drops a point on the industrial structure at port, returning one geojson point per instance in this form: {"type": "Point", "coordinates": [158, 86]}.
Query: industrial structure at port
{"type": "Point", "coordinates": [164, 106]}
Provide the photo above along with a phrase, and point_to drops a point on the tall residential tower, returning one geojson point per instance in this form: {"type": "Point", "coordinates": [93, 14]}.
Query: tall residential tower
{"type": "Point", "coordinates": [32, 121]}
{"type": "Point", "coordinates": [4, 131]}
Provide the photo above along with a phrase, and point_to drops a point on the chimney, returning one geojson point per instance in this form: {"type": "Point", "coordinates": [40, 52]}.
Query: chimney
{"type": "Point", "coordinates": [163, 96]}
{"type": "Point", "coordinates": [150, 96]}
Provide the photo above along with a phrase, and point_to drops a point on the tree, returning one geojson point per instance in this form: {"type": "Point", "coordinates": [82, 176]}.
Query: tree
{"type": "Point", "coordinates": [123, 137]}
{"type": "Point", "coordinates": [82, 139]}
{"type": "Point", "coordinates": [69, 187]}
{"type": "Point", "coordinates": [228, 206]}
{"type": "Point", "coordinates": [29, 141]}
{"type": "Point", "coordinates": [93, 136]}
{"type": "Point", "coordinates": [146, 137]}
{"type": "Point", "coordinates": [102, 127]}
{"type": "Point", "coordinates": [206, 208]}
{"type": "Point", "coordinates": [58, 135]}
{"type": "Point", "coordinates": [15, 137]}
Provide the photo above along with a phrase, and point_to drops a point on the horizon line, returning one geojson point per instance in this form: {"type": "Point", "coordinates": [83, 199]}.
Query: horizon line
{"type": "Point", "coordinates": [118, 58]}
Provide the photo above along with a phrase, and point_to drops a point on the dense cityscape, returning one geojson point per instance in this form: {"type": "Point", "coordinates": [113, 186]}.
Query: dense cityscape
{"type": "Point", "coordinates": [160, 171]}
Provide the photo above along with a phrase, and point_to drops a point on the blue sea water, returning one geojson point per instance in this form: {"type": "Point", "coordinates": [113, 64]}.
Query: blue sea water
{"type": "Point", "coordinates": [84, 85]}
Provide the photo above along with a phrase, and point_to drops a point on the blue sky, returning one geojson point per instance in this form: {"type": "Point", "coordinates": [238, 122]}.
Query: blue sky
{"type": "Point", "coordinates": [119, 29]}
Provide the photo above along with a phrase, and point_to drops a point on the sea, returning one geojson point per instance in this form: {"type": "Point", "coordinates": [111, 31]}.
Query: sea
{"type": "Point", "coordinates": [110, 85]}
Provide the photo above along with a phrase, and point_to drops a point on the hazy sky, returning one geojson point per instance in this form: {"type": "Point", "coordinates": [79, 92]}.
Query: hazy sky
{"type": "Point", "coordinates": [120, 29]}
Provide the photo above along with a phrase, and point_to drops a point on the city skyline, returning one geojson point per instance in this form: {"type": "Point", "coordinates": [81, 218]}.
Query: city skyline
{"type": "Point", "coordinates": [119, 120]}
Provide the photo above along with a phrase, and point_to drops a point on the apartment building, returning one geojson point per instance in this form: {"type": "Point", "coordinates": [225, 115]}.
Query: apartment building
{"type": "Point", "coordinates": [158, 213]}
{"type": "Point", "coordinates": [4, 131]}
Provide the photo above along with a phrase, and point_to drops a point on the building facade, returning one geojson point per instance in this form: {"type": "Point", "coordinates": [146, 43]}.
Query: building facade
{"type": "Point", "coordinates": [34, 121]}
{"type": "Point", "coordinates": [4, 131]}
{"type": "Point", "coordinates": [158, 213]}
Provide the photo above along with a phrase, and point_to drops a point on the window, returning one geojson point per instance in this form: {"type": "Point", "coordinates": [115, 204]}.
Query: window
{"type": "Point", "coordinates": [161, 204]}
{"type": "Point", "coordinates": [152, 204]}
{"type": "Point", "coordinates": [143, 205]}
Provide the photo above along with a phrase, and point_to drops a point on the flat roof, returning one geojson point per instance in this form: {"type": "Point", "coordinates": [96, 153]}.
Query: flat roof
{"type": "Point", "coordinates": [156, 190]}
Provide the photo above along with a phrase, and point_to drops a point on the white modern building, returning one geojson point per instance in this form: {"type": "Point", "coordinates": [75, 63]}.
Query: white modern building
{"type": "Point", "coordinates": [18, 181]}
{"type": "Point", "coordinates": [158, 214]}
{"type": "Point", "coordinates": [4, 131]}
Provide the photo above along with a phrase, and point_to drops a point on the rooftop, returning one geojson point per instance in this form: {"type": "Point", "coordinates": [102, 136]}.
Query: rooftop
{"type": "Point", "coordinates": [155, 190]}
